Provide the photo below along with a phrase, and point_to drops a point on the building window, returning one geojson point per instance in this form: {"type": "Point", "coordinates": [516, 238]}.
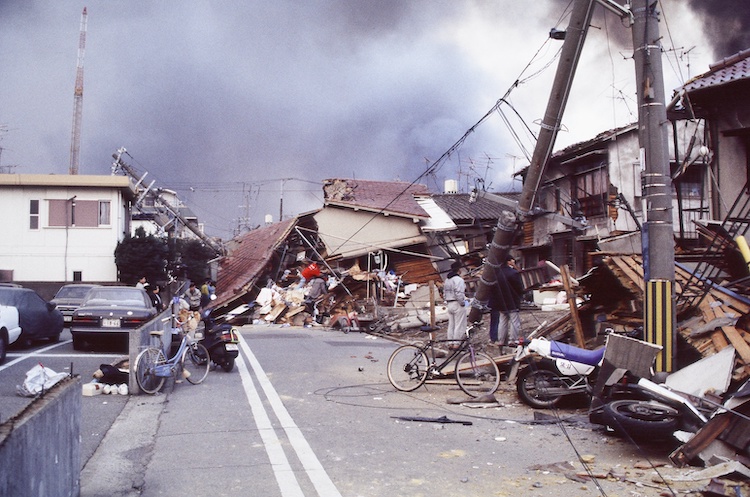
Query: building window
{"type": "Point", "coordinates": [77, 276]}
{"type": "Point", "coordinates": [79, 213]}
{"type": "Point", "coordinates": [591, 189]}
{"type": "Point", "coordinates": [104, 213]}
{"type": "Point", "coordinates": [34, 214]}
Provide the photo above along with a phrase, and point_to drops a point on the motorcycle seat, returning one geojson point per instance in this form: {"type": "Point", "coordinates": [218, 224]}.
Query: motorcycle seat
{"type": "Point", "coordinates": [575, 354]}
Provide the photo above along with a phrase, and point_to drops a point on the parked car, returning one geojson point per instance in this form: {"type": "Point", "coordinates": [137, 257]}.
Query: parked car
{"type": "Point", "coordinates": [69, 297]}
{"type": "Point", "coordinates": [10, 329]}
{"type": "Point", "coordinates": [37, 317]}
{"type": "Point", "coordinates": [110, 312]}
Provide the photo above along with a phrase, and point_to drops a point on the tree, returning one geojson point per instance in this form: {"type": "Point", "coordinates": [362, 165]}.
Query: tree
{"type": "Point", "coordinates": [194, 257]}
{"type": "Point", "coordinates": [141, 255]}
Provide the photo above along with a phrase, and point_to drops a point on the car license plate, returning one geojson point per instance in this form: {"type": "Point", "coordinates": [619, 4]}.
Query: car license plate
{"type": "Point", "coordinates": [67, 319]}
{"type": "Point", "coordinates": [230, 347]}
{"type": "Point", "coordinates": [110, 323]}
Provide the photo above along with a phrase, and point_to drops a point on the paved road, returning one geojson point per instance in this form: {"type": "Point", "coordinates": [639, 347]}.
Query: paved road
{"type": "Point", "coordinates": [310, 412]}
{"type": "Point", "coordinates": [98, 412]}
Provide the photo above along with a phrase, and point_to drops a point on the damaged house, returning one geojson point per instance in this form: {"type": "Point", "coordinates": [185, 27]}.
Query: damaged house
{"type": "Point", "coordinates": [381, 240]}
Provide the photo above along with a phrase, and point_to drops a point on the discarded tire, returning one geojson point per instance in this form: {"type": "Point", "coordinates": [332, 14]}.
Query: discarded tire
{"type": "Point", "coordinates": [641, 420]}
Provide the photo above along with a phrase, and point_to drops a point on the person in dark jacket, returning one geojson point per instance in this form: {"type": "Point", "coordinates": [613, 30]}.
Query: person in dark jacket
{"type": "Point", "coordinates": [505, 304]}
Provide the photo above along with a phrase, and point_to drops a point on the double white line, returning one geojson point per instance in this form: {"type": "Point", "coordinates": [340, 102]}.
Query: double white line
{"type": "Point", "coordinates": [283, 472]}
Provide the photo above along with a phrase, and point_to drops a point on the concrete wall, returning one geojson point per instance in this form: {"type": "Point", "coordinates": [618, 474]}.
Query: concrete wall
{"type": "Point", "coordinates": [40, 452]}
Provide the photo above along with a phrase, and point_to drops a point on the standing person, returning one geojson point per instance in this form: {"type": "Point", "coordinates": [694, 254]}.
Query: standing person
{"type": "Point", "coordinates": [141, 282]}
{"type": "Point", "coordinates": [155, 296]}
{"type": "Point", "coordinates": [205, 294]}
{"type": "Point", "coordinates": [505, 304]}
{"type": "Point", "coordinates": [454, 292]}
{"type": "Point", "coordinates": [193, 297]}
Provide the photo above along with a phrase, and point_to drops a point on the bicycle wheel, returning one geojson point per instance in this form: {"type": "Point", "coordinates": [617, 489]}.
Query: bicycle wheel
{"type": "Point", "coordinates": [196, 362]}
{"type": "Point", "coordinates": [407, 368]}
{"type": "Point", "coordinates": [477, 374]}
{"type": "Point", "coordinates": [145, 364]}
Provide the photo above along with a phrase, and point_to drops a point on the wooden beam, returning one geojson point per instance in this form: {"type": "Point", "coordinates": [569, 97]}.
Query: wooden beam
{"type": "Point", "coordinates": [577, 326]}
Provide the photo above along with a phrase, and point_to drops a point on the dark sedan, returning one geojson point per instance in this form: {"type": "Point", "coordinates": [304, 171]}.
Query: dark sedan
{"type": "Point", "coordinates": [37, 317]}
{"type": "Point", "coordinates": [110, 312]}
{"type": "Point", "coordinates": [69, 297]}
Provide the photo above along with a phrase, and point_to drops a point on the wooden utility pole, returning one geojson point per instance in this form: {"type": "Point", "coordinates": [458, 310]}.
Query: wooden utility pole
{"type": "Point", "coordinates": [575, 36]}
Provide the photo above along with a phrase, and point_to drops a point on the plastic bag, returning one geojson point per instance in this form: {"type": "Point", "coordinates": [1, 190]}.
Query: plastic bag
{"type": "Point", "coordinates": [37, 380]}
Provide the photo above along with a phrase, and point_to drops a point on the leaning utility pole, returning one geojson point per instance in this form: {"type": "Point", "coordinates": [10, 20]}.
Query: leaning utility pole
{"type": "Point", "coordinates": [506, 226]}
{"type": "Point", "coordinates": [657, 233]}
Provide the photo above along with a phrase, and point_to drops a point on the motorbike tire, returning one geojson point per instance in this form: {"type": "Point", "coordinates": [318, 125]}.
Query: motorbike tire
{"type": "Point", "coordinates": [640, 419]}
{"type": "Point", "coordinates": [531, 384]}
{"type": "Point", "coordinates": [228, 365]}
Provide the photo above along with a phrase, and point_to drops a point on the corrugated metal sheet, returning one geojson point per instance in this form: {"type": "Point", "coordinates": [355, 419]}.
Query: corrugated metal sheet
{"type": "Point", "coordinates": [461, 210]}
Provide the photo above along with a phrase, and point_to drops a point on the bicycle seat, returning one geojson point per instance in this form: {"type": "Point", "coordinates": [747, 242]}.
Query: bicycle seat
{"type": "Point", "coordinates": [428, 329]}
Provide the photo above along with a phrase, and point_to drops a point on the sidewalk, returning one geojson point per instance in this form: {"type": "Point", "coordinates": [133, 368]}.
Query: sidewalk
{"type": "Point", "coordinates": [118, 466]}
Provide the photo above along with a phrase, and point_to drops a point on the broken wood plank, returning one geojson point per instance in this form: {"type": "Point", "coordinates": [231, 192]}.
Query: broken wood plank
{"type": "Point", "coordinates": [577, 325]}
{"type": "Point", "coordinates": [275, 312]}
{"type": "Point", "coordinates": [633, 272]}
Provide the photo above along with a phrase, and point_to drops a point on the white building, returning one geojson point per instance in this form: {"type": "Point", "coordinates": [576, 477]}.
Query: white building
{"type": "Point", "coordinates": [62, 227]}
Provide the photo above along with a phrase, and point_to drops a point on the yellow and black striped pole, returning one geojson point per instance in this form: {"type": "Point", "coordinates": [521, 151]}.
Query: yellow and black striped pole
{"type": "Point", "coordinates": [659, 319]}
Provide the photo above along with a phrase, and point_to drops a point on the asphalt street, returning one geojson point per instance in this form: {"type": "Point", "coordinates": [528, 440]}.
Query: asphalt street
{"type": "Point", "coordinates": [310, 412]}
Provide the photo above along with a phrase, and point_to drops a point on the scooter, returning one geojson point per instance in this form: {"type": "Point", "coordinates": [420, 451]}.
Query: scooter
{"type": "Point", "coordinates": [221, 341]}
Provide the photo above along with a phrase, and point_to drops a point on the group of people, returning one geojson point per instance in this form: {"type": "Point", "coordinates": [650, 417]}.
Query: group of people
{"type": "Point", "coordinates": [195, 299]}
{"type": "Point", "coordinates": [154, 293]}
{"type": "Point", "coordinates": [504, 303]}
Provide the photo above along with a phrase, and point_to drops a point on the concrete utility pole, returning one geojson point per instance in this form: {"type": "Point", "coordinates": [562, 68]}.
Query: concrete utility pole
{"type": "Point", "coordinates": [575, 36]}
{"type": "Point", "coordinates": [653, 133]}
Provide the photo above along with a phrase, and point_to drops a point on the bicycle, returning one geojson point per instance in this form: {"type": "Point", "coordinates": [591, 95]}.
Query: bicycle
{"type": "Point", "coordinates": [476, 373]}
{"type": "Point", "coordinates": [152, 367]}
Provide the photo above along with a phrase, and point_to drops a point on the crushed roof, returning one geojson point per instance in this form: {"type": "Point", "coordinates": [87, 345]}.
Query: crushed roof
{"type": "Point", "coordinates": [730, 69]}
{"type": "Point", "coordinates": [459, 208]}
{"type": "Point", "coordinates": [247, 259]}
{"type": "Point", "coordinates": [389, 197]}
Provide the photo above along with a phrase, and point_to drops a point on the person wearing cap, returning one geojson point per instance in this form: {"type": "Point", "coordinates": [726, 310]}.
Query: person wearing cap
{"type": "Point", "coordinates": [454, 293]}
{"type": "Point", "coordinates": [505, 304]}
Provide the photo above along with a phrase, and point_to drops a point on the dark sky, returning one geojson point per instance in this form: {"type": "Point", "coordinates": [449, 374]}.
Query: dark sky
{"type": "Point", "coordinates": [222, 100]}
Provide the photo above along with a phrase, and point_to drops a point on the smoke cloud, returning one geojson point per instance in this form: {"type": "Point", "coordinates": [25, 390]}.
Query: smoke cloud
{"type": "Point", "coordinates": [238, 106]}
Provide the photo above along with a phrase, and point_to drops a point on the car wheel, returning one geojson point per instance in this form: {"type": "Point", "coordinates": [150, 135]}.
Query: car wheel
{"type": "Point", "coordinates": [54, 338]}
{"type": "Point", "coordinates": [3, 344]}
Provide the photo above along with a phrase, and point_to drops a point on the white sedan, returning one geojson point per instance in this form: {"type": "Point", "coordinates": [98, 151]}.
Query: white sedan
{"type": "Point", "coordinates": [9, 328]}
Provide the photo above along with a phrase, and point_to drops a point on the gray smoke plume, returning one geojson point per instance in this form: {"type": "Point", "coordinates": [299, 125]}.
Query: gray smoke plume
{"type": "Point", "coordinates": [727, 24]}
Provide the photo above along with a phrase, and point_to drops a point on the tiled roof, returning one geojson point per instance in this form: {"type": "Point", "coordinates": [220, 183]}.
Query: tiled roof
{"type": "Point", "coordinates": [390, 197]}
{"type": "Point", "coordinates": [733, 68]}
{"type": "Point", "coordinates": [248, 258]}
{"type": "Point", "coordinates": [458, 207]}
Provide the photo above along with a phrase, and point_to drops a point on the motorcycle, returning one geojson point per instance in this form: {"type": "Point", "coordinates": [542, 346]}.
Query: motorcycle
{"type": "Point", "coordinates": [553, 370]}
{"type": "Point", "coordinates": [221, 341]}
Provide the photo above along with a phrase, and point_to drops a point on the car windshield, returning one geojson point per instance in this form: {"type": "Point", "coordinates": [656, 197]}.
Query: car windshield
{"type": "Point", "coordinates": [116, 296]}
{"type": "Point", "coordinates": [72, 292]}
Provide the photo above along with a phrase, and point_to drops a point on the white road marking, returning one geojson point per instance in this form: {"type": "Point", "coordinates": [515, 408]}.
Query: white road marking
{"type": "Point", "coordinates": [288, 483]}
{"type": "Point", "coordinates": [20, 357]}
{"type": "Point", "coordinates": [318, 475]}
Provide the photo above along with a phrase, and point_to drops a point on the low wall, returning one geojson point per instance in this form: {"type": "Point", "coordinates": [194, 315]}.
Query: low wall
{"type": "Point", "coordinates": [140, 338]}
{"type": "Point", "coordinates": [40, 450]}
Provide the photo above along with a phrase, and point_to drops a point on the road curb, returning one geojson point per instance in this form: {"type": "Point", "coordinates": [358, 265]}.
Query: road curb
{"type": "Point", "coordinates": [118, 466]}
